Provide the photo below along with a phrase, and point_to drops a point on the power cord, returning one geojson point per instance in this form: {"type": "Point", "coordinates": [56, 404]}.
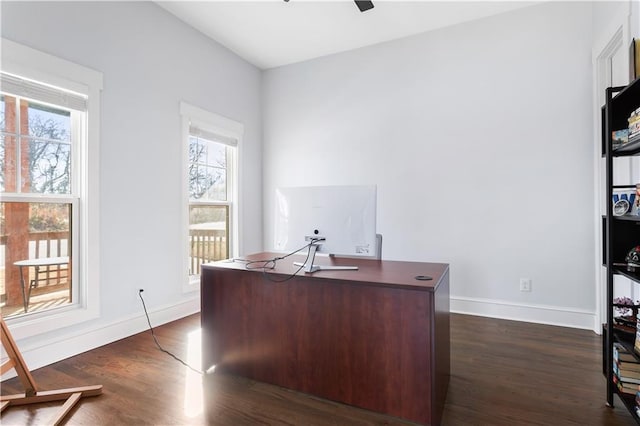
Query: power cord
{"type": "Point", "coordinates": [155, 339]}
{"type": "Point", "coordinates": [275, 280]}
{"type": "Point", "coordinates": [269, 264]}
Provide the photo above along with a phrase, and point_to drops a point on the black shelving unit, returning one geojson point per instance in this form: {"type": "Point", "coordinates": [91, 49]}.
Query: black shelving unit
{"type": "Point", "coordinates": [621, 233]}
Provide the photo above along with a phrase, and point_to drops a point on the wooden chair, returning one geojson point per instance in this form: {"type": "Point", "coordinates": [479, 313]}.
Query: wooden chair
{"type": "Point", "coordinates": [32, 395]}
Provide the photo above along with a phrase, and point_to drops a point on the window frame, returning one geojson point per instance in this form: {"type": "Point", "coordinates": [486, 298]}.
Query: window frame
{"type": "Point", "coordinates": [226, 128]}
{"type": "Point", "coordinates": [35, 65]}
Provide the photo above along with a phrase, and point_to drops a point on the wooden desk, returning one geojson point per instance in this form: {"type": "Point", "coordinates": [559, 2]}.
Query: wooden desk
{"type": "Point", "coordinates": [45, 262]}
{"type": "Point", "coordinates": [375, 338]}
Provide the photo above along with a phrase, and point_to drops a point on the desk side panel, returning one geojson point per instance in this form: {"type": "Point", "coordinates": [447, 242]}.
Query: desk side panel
{"type": "Point", "coordinates": [441, 348]}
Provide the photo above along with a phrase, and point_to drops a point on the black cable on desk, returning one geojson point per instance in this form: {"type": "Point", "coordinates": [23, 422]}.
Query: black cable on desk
{"type": "Point", "coordinates": [269, 264]}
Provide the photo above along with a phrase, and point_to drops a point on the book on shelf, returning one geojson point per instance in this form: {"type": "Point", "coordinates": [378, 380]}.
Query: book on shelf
{"type": "Point", "coordinates": [627, 376]}
{"type": "Point", "coordinates": [629, 366]}
{"type": "Point", "coordinates": [636, 345]}
{"type": "Point", "coordinates": [626, 368]}
{"type": "Point", "coordinates": [626, 387]}
{"type": "Point", "coordinates": [634, 117]}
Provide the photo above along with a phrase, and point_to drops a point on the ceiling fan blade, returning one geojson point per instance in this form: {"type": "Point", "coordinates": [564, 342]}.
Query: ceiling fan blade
{"type": "Point", "coordinates": [364, 5]}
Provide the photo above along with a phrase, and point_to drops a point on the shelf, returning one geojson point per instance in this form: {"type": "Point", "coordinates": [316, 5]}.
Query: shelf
{"type": "Point", "coordinates": [628, 95]}
{"type": "Point", "coordinates": [630, 402]}
{"type": "Point", "coordinates": [634, 276]}
{"type": "Point", "coordinates": [629, 217]}
{"type": "Point", "coordinates": [626, 100]}
{"type": "Point", "coordinates": [631, 148]}
{"type": "Point", "coordinates": [620, 233]}
{"type": "Point", "coordinates": [627, 341]}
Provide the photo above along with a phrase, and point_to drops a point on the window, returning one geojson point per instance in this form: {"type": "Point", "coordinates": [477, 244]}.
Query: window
{"type": "Point", "coordinates": [36, 173]}
{"type": "Point", "coordinates": [209, 203]}
{"type": "Point", "coordinates": [48, 166]}
{"type": "Point", "coordinates": [211, 148]}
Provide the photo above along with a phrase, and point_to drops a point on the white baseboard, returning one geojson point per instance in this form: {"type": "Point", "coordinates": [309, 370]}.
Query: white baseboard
{"type": "Point", "coordinates": [48, 351]}
{"type": "Point", "coordinates": [541, 314]}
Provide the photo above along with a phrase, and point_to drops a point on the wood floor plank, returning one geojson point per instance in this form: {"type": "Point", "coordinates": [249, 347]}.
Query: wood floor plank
{"type": "Point", "coordinates": [502, 373]}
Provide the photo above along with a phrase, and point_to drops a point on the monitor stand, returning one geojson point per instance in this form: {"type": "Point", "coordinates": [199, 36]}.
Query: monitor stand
{"type": "Point", "coordinates": [309, 267]}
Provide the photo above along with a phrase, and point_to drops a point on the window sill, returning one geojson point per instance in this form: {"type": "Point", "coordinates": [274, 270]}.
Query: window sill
{"type": "Point", "coordinates": [36, 324]}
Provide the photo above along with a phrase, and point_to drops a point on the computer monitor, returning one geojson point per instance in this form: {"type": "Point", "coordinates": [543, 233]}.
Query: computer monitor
{"type": "Point", "coordinates": [336, 220]}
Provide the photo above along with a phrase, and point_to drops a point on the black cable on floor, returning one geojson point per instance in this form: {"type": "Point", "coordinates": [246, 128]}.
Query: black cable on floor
{"type": "Point", "coordinates": [155, 339]}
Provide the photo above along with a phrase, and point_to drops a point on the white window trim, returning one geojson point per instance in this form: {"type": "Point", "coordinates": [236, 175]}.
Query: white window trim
{"type": "Point", "coordinates": [39, 66]}
{"type": "Point", "coordinates": [223, 126]}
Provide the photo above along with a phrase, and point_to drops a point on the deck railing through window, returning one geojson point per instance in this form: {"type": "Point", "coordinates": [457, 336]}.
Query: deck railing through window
{"type": "Point", "coordinates": [51, 244]}
{"type": "Point", "coordinates": [206, 245]}
{"type": "Point", "coordinates": [41, 245]}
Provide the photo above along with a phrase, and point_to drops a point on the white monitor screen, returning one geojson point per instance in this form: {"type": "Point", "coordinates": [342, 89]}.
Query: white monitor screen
{"type": "Point", "coordinates": [344, 215]}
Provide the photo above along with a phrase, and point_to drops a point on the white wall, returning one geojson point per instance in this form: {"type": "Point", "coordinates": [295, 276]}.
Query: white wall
{"type": "Point", "coordinates": [635, 18]}
{"type": "Point", "coordinates": [479, 138]}
{"type": "Point", "coordinates": [151, 61]}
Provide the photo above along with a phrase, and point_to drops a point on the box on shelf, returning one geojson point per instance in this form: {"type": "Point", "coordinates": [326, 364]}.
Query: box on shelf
{"type": "Point", "coordinates": [619, 137]}
{"type": "Point", "coordinates": [634, 125]}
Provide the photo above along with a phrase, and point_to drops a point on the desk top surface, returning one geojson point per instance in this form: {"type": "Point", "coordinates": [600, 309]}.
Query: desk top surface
{"type": "Point", "coordinates": [381, 272]}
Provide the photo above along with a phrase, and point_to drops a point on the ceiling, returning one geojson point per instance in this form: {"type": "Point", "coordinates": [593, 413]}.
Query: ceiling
{"type": "Point", "coordinates": [273, 33]}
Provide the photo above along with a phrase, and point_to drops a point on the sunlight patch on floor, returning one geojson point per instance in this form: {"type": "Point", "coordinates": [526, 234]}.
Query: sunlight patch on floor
{"type": "Point", "coordinates": [193, 397]}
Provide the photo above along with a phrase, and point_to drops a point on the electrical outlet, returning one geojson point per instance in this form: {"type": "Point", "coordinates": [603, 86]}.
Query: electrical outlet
{"type": "Point", "coordinates": [525, 284]}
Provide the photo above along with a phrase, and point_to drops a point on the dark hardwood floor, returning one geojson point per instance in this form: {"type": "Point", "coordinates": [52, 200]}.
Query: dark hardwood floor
{"type": "Point", "coordinates": [502, 373]}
